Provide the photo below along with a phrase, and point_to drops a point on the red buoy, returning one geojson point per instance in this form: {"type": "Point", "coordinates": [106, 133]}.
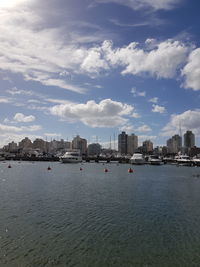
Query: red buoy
{"type": "Point", "coordinates": [81, 169]}
{"type": "Point", "coordinates": [9, 166]}
{"type": "Point", "coordinates": [49, 168]}
{"type": "Point", "coordinates": [105, 170]}
{"type": "Point", "coordinates": [130, 170]}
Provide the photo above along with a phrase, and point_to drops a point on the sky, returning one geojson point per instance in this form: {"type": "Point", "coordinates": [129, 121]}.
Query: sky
{"type": "Point", "coordinates": [99, 67]}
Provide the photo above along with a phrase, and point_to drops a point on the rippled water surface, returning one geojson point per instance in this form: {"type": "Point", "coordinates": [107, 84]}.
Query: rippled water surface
{"type": "Point", "coordinates": [89, 218]}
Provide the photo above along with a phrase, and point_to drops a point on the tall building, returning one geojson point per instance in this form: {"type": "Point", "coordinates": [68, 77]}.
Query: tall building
{"type": "Point", "coordinates": [25, 145]}
{"type": "Point", "coordinates": [174, 144]}
{"type": "Point", "coordinates": [189, 140]}
{"type": "Point", "coordinates": [122, 143]}
{"type": "Point", "coordinates": [132, 143]}
{"type": "Point", "coordinates": [147, 146]}
{"type": "Point", "coordinates": [80, 144]}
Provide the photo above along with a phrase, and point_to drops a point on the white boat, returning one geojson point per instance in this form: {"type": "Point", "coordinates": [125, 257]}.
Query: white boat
{"type": "Point", "coordinates": [71, 157]}
{"type": "Point", "coordinates": [183, 160]}
{"type": "Point", "coordinates": [137, 158]}
{"type": "Point", "coordinates": [196, 161]}
{"type": "Point", "coordinates": [155, 160]}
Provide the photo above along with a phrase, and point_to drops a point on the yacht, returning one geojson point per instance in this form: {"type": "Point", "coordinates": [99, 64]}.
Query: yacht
{"type": "Point", "coordinates": [71, 157]}
{"type": "Point", "coordinates": [183, 160]}
{"type": "Point", "coordinates": [196, 161]}
{"type": "Point", "coordinates": [155, 160]}
{"type": "Point", "coordinates": [137, 158]}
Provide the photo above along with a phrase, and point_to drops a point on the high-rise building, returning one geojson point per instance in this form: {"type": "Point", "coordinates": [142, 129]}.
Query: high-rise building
{"type": "Point", "coordinates": [147, 146]}
{"type": "Point", "coordinates": [122, 143]}
{"type": "Point", "coordinates": [80, 144]}
{"type": "Point", "coordinates": [189, 140]}
{"type": "Point", "coordinates": [132, 143]}
{"type": "Point", "coordinates": [174, 144]}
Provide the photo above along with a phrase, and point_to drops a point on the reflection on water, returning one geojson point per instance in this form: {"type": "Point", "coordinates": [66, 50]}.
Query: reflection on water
{"type": "Point", "coordinates": [88, 218]}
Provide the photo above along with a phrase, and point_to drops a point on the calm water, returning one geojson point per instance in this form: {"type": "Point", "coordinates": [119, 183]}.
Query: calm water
{"type": "Point", "coordinates": [88, 218]}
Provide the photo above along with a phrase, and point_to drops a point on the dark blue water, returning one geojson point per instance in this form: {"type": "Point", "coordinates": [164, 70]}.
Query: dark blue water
{"type": "Point", "coordinates": [89, 218]}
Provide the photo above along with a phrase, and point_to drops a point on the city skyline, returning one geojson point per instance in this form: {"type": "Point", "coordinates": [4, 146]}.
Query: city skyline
{"type": "Point", "coordinates": [99, 67]}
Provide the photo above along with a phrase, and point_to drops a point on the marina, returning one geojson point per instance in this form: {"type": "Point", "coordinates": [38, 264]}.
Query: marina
{"type": "Point", "coordinates": [81, 215]}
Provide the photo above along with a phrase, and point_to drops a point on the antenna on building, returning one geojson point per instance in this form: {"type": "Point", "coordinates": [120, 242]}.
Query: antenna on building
{"type": "Point", "coordinates": [110, 142]}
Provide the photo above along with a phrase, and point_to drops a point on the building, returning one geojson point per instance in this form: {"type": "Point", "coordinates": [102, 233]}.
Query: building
{"type": "Point", "coordinates": [94, 149]}
{"type": "Point", "coordinates": [132, 143]}
{"type": "Point", "coordinates": [174, 144]}
{"type": "Point", "coordinates": [147, 146]}
{"type": "Point", "coordinates": [40, 145]}
{"type": "Point", "coordinates": [189, 140]}
{"type": "Point", "coordinates": [25, 145]}
{"type": "Point", "coordinates": [80, 144]}
{"type": "Point", "coordinates": [122, 143]}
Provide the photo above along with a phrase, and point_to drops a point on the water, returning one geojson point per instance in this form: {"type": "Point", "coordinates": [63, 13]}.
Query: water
{"type": "Point", "coordinates": [89, 218]}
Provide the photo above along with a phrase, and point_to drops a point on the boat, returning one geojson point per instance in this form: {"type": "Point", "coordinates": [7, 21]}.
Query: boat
{"type": "Point", "coordinates": [137, 158]}
{"type": "Point", "coordinates": [155, 160]}
{"type": "Point", "coordinates": [71, 157]}
{"type": "Point", "coordinates": [183, 160]}
{"type": "Point", "coordinates": [196, 161]}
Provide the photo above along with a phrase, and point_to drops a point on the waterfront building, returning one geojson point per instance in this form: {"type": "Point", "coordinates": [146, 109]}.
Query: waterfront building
{"type": "Point", "coordinates": [189, 140]}
{"type": "Point", "coordinates": [122, 143]}
{"type": "Point", "coordinates": [80, 143]}
{"type": "Point", "coordinates": [174, 144]}
{"type": "Point", "coordinates": [40, 145]}
{"type": "Point", "coordinates": [94, 149]}
{"type": "Point", "coordinates": [25, 145]}
{"type": "Point", "coordinates": [132, 143]}
{"type": "Point", "coordinates": [147, 146]}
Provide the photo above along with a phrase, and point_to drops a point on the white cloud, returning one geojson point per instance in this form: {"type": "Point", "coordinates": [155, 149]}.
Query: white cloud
{"type": "Point", "coordinates": [135, 115]}
{"type": "Point", "coordinates": [136, 93]}
{"type": "Point", "coordinates": [162, 62]}
{"type": "Point", "coordinates": [4, 100]}
{"type": "Point", "coordinates": [188, 120]}
{"type": "Point", "coordinates": [106, 113]}
{"type": "Point", "coordinates": [52, 134]}
{"type": "Point", "coordinates": [144, 128]}
{"type": "Point", "coordinates": [14, 129]}
{"type": "Point", "coordinates": [138, 4]}
{"type": "Point", "coordinates": [157, 108]}
{"type": "Point", "coordinates": [191, 71]}
{"type": "Point", "coordinates": [128, 128]}
{"type": "Point", "coordinates": [154, 100]}
{"type": "Point", "coordinates": [20, 117]}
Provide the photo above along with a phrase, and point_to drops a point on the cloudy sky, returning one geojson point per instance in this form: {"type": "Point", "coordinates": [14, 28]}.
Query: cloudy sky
{"type": "Point", "coordinates": [97, 67]}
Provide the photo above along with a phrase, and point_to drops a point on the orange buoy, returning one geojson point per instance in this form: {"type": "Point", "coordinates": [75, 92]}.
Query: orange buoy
{"type": "Point", "coordinates": [105, 170]}
{"type": "Point", "coordinates": [49, 168]}
{"type": "Point", "coordinates": [130, 170]}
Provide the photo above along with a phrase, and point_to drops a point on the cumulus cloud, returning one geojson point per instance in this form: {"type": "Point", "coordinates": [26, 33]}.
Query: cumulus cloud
{"type": "Point", "coordinates": [157, 108]}
{"type": "Point", "coordinates": [20, 117]}
{"type": "Point", "coordinates": [136, 115]}
{"type": "Point", "coordinates": [106, 113]}
{"type": "Point", "coordinates": [162, 61]}
{"type": "Point", "coordinates": [188, 120]}
{"type": "Point", "coordinates": [191, 71]}
{"type": "Point", "coordinates": [138, 4]}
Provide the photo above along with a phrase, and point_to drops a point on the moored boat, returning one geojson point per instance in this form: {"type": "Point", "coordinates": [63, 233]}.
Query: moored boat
{"type": "Point", "coordinates": [137, 158]}
{"type": "Point", "coordinates": [155, 160]}
{"type": "Point", "coordinates": [71, 157]}
{"type": "Point", "coordinates": [183, 160]}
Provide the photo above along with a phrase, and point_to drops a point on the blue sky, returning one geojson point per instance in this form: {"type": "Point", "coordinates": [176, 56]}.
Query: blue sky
{"type": "Point", "coordinates": [97, 67]}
